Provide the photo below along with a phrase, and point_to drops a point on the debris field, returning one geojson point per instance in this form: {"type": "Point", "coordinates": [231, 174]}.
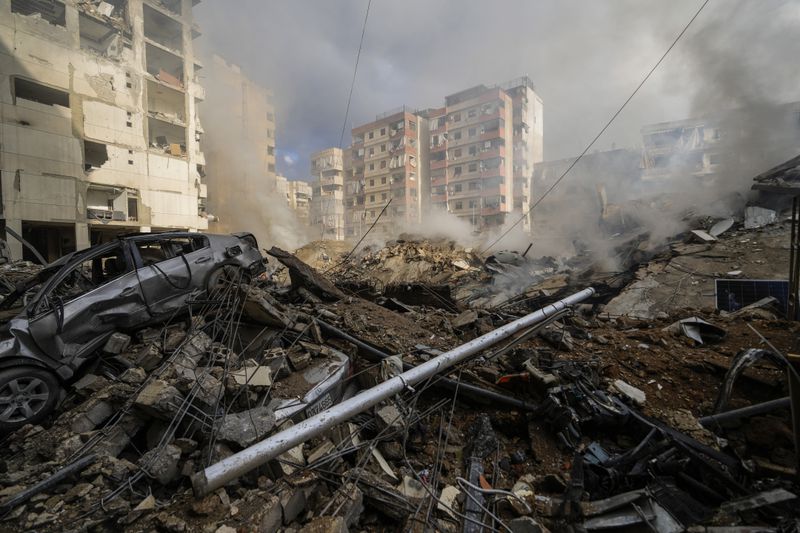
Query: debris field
{"type": "Point", "coordinates": [601, 416]}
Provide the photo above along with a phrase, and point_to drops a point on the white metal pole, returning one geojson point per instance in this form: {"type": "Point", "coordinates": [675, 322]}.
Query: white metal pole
{"type": "Point", "coordinates": [230, 468]}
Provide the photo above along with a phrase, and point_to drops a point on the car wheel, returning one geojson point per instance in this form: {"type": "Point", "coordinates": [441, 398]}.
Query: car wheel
{"type": "Point", "coordinates": [27, 396]}
{"type": "Point", "coordinates": [225, 277]}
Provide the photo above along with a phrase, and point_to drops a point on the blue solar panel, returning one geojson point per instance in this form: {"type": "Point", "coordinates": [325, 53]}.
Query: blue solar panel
{"type": "Point", "coordinates": [733, 294]}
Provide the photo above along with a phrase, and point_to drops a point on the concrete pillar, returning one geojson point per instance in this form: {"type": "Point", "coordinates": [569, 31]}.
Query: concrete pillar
{"type": "Point", "coordinates": [82, 236]}
{"type": "Point", "coordinates": [14, 246]}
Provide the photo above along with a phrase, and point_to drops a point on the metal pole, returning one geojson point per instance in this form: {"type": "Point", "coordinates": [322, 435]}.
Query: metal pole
{"type": "Point", "coordinates": [238, 464]}
{"type": "Point", "coordinates": [466, 390]}
{"type": "Point", "coordinates": [745, 412]}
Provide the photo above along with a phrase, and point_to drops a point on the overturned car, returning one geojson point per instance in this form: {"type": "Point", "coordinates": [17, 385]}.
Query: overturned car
{"type": "Point", "coordinates": [62, 316]}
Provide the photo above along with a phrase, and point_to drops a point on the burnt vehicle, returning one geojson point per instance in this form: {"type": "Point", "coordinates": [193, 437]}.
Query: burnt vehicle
{"type": "Point", "coordinates": [71, 307]}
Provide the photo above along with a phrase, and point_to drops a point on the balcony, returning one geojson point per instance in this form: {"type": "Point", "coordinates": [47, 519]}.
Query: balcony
{"type": "Point", "coordinates": [489, 211]}
{"type": "Point", "coordinates": [438, 164]}
{"type": "Point", "coordinates": [438, 181]}
{"type": "Point", "coordinates": [437, 198]}
{"type": "Point", "coordinates": [328, 181]}
{"type": "Point", "coordinates": [493, 134]}
{"type": "Point", "coordinates": [493, 172]}
{"type": "Point", "coordinates": [494, 190]}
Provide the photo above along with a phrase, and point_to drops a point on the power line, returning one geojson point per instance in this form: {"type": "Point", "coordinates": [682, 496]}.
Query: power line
{"type": "Point", "coordinates": [355, 70]}
{"type": "Point", "coordinates": [548, 191]}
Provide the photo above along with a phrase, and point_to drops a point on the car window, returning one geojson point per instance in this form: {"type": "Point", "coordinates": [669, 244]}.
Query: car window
{"type": "Point", "coordinates": [154, 251]}
{"type": "Point", "coordinates": [89, 274]}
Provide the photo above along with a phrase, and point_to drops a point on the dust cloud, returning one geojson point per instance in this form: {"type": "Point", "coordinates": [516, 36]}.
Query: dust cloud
{"type": "Point", "coordinates": [235, 144]}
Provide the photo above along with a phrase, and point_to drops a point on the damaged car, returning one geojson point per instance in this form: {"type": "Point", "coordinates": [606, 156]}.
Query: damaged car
{"type": "Point", "coordinates": [71, 308]}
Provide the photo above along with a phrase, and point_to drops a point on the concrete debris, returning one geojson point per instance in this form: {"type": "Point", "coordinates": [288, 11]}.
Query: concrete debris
{"type": "Point", "coordinates": [587, 421]}
{"type": "Point", "coordinates": [758, 217]}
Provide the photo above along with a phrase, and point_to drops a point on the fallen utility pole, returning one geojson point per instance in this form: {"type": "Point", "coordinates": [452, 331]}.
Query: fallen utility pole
{"type": "Point", "coordinates": [467, 390]}
{"type": "Point", "coordinates": [238, 464]}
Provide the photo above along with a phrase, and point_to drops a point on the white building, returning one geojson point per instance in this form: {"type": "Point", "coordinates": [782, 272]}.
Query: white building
{"type": "Point", "coordinates": [98, 129]}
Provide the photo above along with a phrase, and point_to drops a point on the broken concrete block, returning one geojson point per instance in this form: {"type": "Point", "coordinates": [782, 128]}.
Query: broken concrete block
{"type": "Point", "coordinates": [94, 416]}
{"type": "Point", "coordinates": [117, 343]}
{"type": "Point", "coordinates": [196, 346]}
{"type": "Point", "coordinates": [634, 394]}
{"type": "Point", "coordinates": [412, 489]}
{"type": "Point", "coordinates": [133, 376]}
{"type": "Point", "coordinates": [269, 518]}
{"type": "Point", "coordinates": [464, 319]}
{"type": "Point", "coordinates": [148, 357]}
{"type": "Point", "coordinates": [293, 502]}
{"type": "Point", "coordinates": [349, 500]}
{"type": "Point", "coordinates": [287, 460]}
{"type": "Point", "coordinates": [389, 418]}
{"type": "Point", "coordinates": [448, 501]}
{"type": "Point", "coordinates": [90, 383]}
{"type": "Point", "coordinates": [159, 399]}
{"type": "Point", "coordinates": [254, 376]}
{"type": "Point", "coordinates": [299, 360]}
{"type": "Point", "coordinates": [701, 236]}
{"type": "Point", "coordinates": [758, 217]}
{"type": "Point", "coordinates": [326, 524]}
{"type": "Point", "coordinates": [324, 448]}
{"type": "Point", "coordinates": [161, 463]}
{"type": "Point", "coordinates": [247, 427]}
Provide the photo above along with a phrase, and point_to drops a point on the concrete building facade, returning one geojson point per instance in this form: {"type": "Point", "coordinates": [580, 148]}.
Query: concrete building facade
{"type": "Point", "coordinates": [327, 196]}
{"type": "Point", "coordinates": [389, 162]}
{"type": "Point", "coordinates": [299, 197]}
{"type": "Point", "coordinates": [98, 126]}
{"type": "Point", "coordinates": [484, 143]}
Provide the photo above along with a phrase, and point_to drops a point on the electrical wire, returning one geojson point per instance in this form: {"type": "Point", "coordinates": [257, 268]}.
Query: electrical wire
{"type": "Point", "coordinates": [603, 130]}
{"type": "Point", "coordinates": [355, 71]}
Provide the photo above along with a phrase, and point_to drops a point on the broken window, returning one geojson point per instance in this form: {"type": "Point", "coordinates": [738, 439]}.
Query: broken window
{"type": "Point", "coordinates": [133, 208]}
{"type": "Point", "coordinates": [383, 131]}
{"type": "Point", "coordinates": [383, 180]}
{"type": "Point", "coordinates": [162, 29]}
{"type": "Point", "coordinates": [372, 135]}
{"type": "Point", "coordinates": [52, 11]}
{"type": "Point", "coordinates": [457, 136]}
{"type": "Point", "coordinates": [167, 137]}
{"type": "Point", "coordinates": [383, 164]}
{"type": "Point", "coordinates": [383, 147]}
{"type": "Point", "coordinates": [94, 155]}
{"type": "Point", "coordinates": [155, 251]}
{"type": "Point", "coordinates": [98, 37]}
{"type": "Point", "coordinates": [36, 92]}
{"type": "Point", "coordinates": [164, 66]}
{"type": "Point", "coordinates": [88, 275]}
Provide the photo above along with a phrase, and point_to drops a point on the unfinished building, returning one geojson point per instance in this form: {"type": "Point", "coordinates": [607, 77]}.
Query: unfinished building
{"type": "Point", "coordinates": [99, 134]}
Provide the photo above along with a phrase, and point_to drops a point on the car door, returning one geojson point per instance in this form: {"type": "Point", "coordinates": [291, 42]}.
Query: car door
{"type": "Point", "coordinates": [94, 295]}
{"type": "Point", "coordinates": [171, 268]}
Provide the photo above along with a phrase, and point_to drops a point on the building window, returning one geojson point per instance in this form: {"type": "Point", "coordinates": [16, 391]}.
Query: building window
{"type": "Point", "coordinates": [50, 10]}
{"type": "Point", "coordinates": [473, 132]}
{"type": "Point", "coordinates": [457, 117]}
{"type": "Point", "coordinates": [383, 147]}
{"type": "Point", "coordinates": [270, 133]}
{"type": "Point", "coordinates": [371, 197]}
{"type": "Point", "coordinates": [383, 131]}
{"type": "Point", "coordinates": [473, 167]}
{"type": "Point", "coordinates": [36, 92]}
{"type": "Point", "coordinates": [372, 151]}
{"type": "Point", "coordinates": [473, 204]}
{"type": "Point", "coordinates": [383, 164]}
{"type": "Point", "coordinates": [457, 187]}
{"type": "Point", "coordinates": [383, 196]}
{"type": "Point", "coordinates": [457, 136]}
{"type": "Point", "coordinates": [457, 152]}
{"type": "Point", "coordinates": [271, 167]}
{"type": "Point", "coordinates": [412, 125]}
{"type": "Point", "coordinates": [456, 171]}
{"type": "Point", "coordinates": [372, 135]}
{"type": "Point", "coordinates": [472, 113]}
{"type": "Point", "coordinates": [459, 205]}
{"type": "Point", "coordinates": [372, 166]}
{"type": "Point", "coordinates": [473, 150]}
{"type": "Point", "coordinates": [270, 150]}
{"type": "Point", "coordinates": [473, 185]}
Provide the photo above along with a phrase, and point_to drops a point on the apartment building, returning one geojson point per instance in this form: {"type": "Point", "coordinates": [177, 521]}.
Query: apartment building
{"type": "Point", "coordinates": [689, 146]}
{"type": "Point", "coordinates": [353, 195]}
{"type": "Point", "coordinates": [327, 194]}
{"type": "Point", "coordinates": [299, 197]}
{"type": "Point", "coordinates": [100, 133]}
{"type": "Point", "coordinates": [483, 145]}
{"type": "Point", "coordinates": [389, 163]}
{"type": "Point", "coordinates": [241, 147]}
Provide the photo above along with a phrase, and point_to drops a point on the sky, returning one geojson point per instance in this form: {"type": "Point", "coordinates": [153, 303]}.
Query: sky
{"type": "Point", "coordinates": [584, 57]}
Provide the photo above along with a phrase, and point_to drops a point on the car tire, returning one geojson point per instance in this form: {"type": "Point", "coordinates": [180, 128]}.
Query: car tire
{"type": "Point", "coordinates": [221, 279]}
{"type": "Point", "coordinates": [27, 396]}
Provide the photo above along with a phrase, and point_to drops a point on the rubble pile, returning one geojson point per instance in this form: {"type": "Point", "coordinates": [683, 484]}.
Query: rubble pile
{"type": "Point", "coordinates": [588, 420]}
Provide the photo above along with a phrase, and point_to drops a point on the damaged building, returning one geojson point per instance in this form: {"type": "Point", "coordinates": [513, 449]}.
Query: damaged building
{"type": "Point", "coordinates": [100, 133]}
{"type": "Point", "coordinates": [327, 194]}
